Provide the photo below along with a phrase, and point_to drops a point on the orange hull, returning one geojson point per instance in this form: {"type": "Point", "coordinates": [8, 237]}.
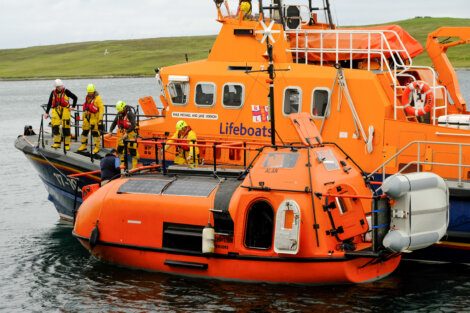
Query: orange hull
{"type": "Point", "coordinates": [265, 234]}
{"type": "Point", "coordinates": [248, 268]}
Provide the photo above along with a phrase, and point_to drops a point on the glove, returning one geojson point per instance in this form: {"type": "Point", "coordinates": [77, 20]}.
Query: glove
{"type": "Point", "coordinates": [100, 126]}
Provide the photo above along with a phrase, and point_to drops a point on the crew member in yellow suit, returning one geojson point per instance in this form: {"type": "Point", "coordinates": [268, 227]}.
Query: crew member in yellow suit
{"type": "Point", "coordinates": [125, 120]}
{"type": "Point", "coordinates": [184, 154]}
{"type": "Point", "coordinates": [93, 110]}
{"type": "Point", "coordinates": [60, 116]}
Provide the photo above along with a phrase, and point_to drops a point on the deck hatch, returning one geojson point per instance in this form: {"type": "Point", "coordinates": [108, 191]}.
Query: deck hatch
{"type": "Point", "coordinates": [191, 186]}
{"type": "Point", "coordinates": [144, 186]}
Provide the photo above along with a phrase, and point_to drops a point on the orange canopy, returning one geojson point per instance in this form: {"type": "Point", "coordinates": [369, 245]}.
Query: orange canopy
{"type": "Point", "coordinates": [359, 43]}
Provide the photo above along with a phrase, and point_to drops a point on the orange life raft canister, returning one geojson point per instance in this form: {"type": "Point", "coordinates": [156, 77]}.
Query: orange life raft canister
{"type": "Point", "coordinates": [424, 93]}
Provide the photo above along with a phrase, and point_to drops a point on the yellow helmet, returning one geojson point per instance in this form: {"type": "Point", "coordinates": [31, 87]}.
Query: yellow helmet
{"type": "Point", "coordinates": [245, 7]}
{"type": "Point", "coordinates": [120, 106]}
{"type": "Point", "coordinates": [180, 125]}
{"type": "Point", "coordinates": [90, 88]}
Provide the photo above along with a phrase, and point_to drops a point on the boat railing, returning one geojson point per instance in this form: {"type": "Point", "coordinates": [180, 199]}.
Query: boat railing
{"type": "Point", "coordinates": [213, 148]}
{"type": "Point", "coordinates": [76, 123]}
{"type": "Point", "coordinates": [433, 85]}
{"type": "Point", "coordinates": [344, 45]}
{"type": "Point", "coordinates": [379, 52]}
{"type": "Point", "coordinates": [419, 164]}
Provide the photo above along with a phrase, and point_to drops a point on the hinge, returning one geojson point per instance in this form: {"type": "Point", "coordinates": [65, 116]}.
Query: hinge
{"type": "Point", "coordinates": [334, 232]}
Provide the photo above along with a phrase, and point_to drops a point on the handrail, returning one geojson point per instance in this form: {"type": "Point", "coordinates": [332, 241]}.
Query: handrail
{"type": "Point", "coordinates": [385, 55]}
{"type": "Point", "coordinates": [434, 87]}
{"type": "Point", "coordinates": [418, 162]}
{"type": "Point", "coordinates": [84, 174]}
{"type": "Point", "coordinates": [76, 117]}
{"type": "Point", "coordinates": [385, 48]}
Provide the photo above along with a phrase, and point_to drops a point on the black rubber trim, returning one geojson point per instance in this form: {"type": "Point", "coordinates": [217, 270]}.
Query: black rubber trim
{"type": "Point", "coordinates": [194, 265]}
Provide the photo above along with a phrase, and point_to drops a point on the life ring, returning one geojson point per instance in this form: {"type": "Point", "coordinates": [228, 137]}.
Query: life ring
{"type": "Point", "coordinates": [421, 107]}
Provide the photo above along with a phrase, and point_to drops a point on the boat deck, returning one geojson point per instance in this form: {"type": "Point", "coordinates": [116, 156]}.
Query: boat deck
{"type": "Point", "coordinates": [32, 145]}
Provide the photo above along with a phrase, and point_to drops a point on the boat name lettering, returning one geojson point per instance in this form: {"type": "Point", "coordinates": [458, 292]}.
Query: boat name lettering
{"type": "Point", "coordinates": [241, 130]}
{"type": "Point", "coordinates": [195, 115]}
{"type": "Point", "coordinates": [271, 170]}
{"type": "Point", "coordinates": [65, 181]}
{"type": "Point", "coordinates": [222, 238]}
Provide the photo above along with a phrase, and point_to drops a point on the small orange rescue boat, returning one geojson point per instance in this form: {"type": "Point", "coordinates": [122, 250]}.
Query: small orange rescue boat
{"type": "Point", "coordinates": [299, 213]}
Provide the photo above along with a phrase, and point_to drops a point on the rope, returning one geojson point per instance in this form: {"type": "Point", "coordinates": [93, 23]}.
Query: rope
{"type": "Point", "coordinates": [45, 158]}
{"type": "Point", "coordinates": [357, 121]}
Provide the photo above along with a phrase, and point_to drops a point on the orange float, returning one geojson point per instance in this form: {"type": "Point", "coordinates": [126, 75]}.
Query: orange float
{"type": "Point", "coordinates": [415, 92]}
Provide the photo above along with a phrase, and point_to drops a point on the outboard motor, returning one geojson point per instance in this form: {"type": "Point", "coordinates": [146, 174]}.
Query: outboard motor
{"type": "Point", "coordinates": [420, 212]}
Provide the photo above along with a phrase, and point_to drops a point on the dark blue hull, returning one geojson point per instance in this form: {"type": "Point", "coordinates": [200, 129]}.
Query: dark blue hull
{"type": "Point", "coordinates": [459, 215]}
{"type": "Point", "coordinates": [53, 168]}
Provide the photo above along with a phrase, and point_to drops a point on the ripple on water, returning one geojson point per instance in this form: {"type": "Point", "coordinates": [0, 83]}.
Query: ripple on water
{"type": "Point", "coordinates": [43, 268]}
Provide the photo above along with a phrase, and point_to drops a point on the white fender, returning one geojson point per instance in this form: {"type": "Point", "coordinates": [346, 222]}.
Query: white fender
{"type": "Point", "coordinates": [420, 213]}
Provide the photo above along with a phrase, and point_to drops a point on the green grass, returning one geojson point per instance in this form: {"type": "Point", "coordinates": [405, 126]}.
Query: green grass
{"type": "Point", "coordinates": [419, 28]}
{"type": "Point", "coordinates": [126, 57]}
{"type": "Point", "coordinates": [140, 57]}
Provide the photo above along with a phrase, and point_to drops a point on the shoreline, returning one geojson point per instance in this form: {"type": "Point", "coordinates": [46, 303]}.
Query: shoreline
{"type": "Point", "coordinates": [7, 79]}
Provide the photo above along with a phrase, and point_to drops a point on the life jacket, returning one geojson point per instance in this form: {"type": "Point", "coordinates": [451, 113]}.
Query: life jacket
{"type": "Point", "coordinates": [183, 139]}
{"type": "Point", "coordinates": [89, 105]}
{"type": "Point", "coordinates": [59, 99]}
{"type": "Point", "coordinates": [123, 122]}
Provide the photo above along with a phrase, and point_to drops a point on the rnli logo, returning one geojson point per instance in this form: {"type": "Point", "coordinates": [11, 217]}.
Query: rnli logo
{"type": "Point", "coordinates": [260, 113]}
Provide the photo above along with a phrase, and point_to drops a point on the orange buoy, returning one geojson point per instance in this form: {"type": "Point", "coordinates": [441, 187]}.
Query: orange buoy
{"type": "Point", "coordinates": [423, 94]}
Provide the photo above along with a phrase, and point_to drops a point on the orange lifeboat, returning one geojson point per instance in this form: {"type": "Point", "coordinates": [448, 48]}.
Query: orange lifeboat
{"type": "Point", "coordinates": [297, 214]}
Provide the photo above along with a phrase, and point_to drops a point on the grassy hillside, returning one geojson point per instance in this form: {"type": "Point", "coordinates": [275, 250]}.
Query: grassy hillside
{"type": "Point", "coordinates": [419, 28]}
{"type": "Point", "coordinates": [140, 57]}
{"type": "Point", "coordinates": [124, 58]}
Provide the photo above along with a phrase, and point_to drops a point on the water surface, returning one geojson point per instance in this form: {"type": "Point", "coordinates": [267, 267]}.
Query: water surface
{"type": "Point", "coordinates": [43, 268]}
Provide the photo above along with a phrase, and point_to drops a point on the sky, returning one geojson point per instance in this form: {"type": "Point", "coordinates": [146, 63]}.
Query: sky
{"type": "Point", "coordinates": [25, 23]}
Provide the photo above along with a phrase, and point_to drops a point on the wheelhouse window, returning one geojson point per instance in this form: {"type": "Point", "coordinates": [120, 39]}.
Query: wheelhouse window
{"type": "Point", "coordinates": [205, 94]}
{"type": "Point", "coordinates": [178, 88]}
{"type": "Point", "coordinates": [292, 100]}
{"type": "Point", "coordinates": [233, 96]}
{"type": "Point", "coordinates": [320, 100]}
{"type": "Point", "coordinates": [259, 226]}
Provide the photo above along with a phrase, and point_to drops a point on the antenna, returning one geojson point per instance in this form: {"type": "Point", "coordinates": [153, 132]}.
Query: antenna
{"type": "Point", "coordinates": [328, 13]}
{"type": "Point", "coordinates": [271, 91]}
{"type": "Point", "coordinates": [267, 33]}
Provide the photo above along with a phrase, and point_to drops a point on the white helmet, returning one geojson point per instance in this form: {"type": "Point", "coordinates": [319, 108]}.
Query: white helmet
{"type": "Point", "coordinates": [59, 83]}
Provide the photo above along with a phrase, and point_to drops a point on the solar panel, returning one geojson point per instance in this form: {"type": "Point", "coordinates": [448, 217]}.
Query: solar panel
{"type": "Point", "coordinates": [181, 186]}
{"type": "Point", "coordinates": [146, 186]}
{"type": "Point", "coordinates": [192, 186]}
